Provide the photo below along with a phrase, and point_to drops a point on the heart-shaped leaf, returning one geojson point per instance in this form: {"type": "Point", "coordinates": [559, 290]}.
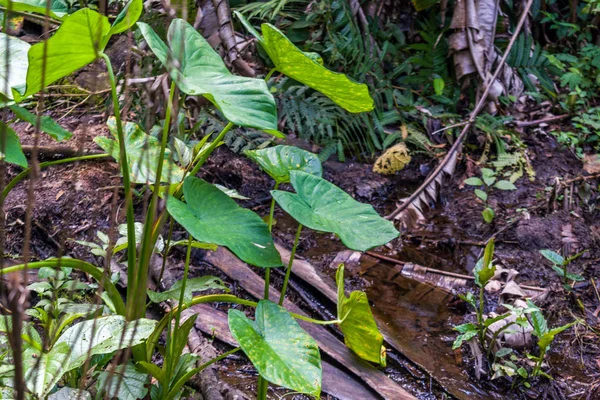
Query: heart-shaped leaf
{"type": "Point", "coordinates": [278, 161]}
{"type": "Point", "coordinates": [42, 371]}
{"type": "Point", "coordinates": [304, 68]}
{"type": "Point", "coordinates": [47, 124]}
{"type": "Point", "coordinates": [13, 153]}
{"type": "Point", "coordinates": [211, 216]}
{"type": "Point", "coordinates": [279, 349]}
{"type": "Point", "coordinates": [193, 285]}
{"type": "Point", "coordinates": [13, 74]}
{"type": "Point", "coordinates": [77, 43]}
{"type": "Point", "coordinates": [361, 334]}
{"type": "Point", "coordinates": [243, 101]}
{"type": "Point", "coordinates": [142, 153]}
{"type": "Point", "coordinates": [58, 8]}
{"type": "Point", "coordinates": [322, 206]}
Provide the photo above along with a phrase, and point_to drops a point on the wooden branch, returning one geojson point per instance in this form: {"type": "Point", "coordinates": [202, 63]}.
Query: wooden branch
{"type": "Point", "coordinates": [554, 118]}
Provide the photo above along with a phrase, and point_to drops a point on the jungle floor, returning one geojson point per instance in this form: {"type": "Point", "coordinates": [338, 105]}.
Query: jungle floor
{"type": "Point", "coordinates": [74, 201]}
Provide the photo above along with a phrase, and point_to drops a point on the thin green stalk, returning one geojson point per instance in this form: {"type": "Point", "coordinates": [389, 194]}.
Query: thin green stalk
{"type": "Point", "coordinates": [98, 274]}
{"type": "Point", "coordinates": [270, 224]}
{"type": "Point", "coordinates": [262, 388]}
{"type": "Point", "coordinates": [211, 148]}
{"type": "Point", "coordinates": [290, 264]}
{"type": "Point", "coordinates": [183, 380]}
{"type": "Point", "coordinates": [271, 72]}
{"type": "Point", "coordinates": [186, 269]}
{"type": "Point", "coordinates": [23, 174]}
{"type": "Point", "coordinates": [480, 317]}
{"type": "Point", "coordinates": [131, 249]}
{"type": "Point", "coordinates": [136, 304]}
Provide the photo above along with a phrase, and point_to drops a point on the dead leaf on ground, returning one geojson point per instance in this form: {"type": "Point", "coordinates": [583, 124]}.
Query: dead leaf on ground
{"type": "Point", "coordinates": [591, 163]}
{"type": "Point", "coordinates": [393, 160]}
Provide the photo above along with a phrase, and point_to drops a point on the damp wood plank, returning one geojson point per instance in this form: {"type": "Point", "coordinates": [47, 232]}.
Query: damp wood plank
{"type": "Point", "coordinates": [254, 284]}
{"type": "Point", "coordinates": [396, 321]}
{"type": "Point", "coordinates": [335, 381]}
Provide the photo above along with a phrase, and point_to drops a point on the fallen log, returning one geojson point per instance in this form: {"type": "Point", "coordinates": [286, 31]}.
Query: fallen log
{"type": "Point", "coordinates": [254, 284]}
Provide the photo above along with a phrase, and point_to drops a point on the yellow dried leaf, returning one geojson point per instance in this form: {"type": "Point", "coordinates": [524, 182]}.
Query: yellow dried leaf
{"type": "Point", "coordinates": [393, 160]}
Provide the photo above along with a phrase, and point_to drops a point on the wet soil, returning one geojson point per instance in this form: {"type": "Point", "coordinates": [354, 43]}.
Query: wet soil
{"type": "Point", "coordinates": [74, 201]}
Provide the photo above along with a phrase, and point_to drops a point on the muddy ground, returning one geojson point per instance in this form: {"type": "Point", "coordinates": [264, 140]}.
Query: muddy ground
{"type": "Point", "coordinates": [72, 202]}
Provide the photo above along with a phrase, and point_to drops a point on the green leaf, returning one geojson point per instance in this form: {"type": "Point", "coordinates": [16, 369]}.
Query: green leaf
{"type": "Point", "coordinates": [47, 124]}
{"type": "Point", "coordinates": [474, 181]}
{"type": "Point", "coordinates": [193, 285]}
{"type": "Point", "coordinates": [278, 161]}
{"type": "Point", "coordinates": [504, 351]}
{"type": "Point", "coordinates": [42, 371]}
{"type": "Point", "coordinates": [124, 383]}
{"type": "Point", "coordinates": [438, 86]}
{"type": "Point", "coordinates": [505, 185]}
{"type": "Point", "coordinates": [538, 322]}
{"type": "Point", "coordinates": [291, 61]}
{"type": "Point", "coordinates": [101, 336]}
{"type": "Point", "coordinates": [489, 181]}
{"type": "Point", "coordinates": [464, 328]}
{"type": "Point", "coordinates": [211, 216]}
{"type": "Point", "coordinates": [58, 8]}
{"type": "Point", "coordinates": [234, 194]}
{"type": "Point", "coordinates": [575, 277]}
{"type": "Point", "coordinates": [62, 54]}
{"type": "Point", "coordinates": [143, 153]}
{"type": "Point", "coordinates": [322, 206]}
{"type": "Point", "coordinates": [13, 74]}
{"type": "Point", "coordinates": [279, 349]}
{"type": "Point", "coordinates": [484, 269]}
{"type": "Point", "coordinates": [127, 17]}
{"type": "Point", "coordinates": [361, 334]}
{"type": "Point", "coordinates": [243, 101]}
{"type": "Point", "coordinates": [488, 215]}
{"type": "Point", "coordinates": [13, 153]}
{"type": "Point", "coordinates": [481, 194]}
{"type": "Point", "coordinates": [463, 338]}
{"type": "Point", "coordinates": [553, 257]}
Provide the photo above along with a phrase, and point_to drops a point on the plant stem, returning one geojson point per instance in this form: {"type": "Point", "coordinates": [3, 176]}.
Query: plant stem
{"type": "Point", "coordinates": [98, 274]}
{"type": "Point", "coordinates": [131, 249]}
{"type": "Point", "coordinates": [23, 174]}
{"type": "Point", "coordinates": [480, 318]}
{"type": "Point", "coordinates": [290, 264]}
{"type": "Point", "coordinates": [211, 148]}
{"type": "Point", "coordinates": [270, 224]}
{"type": "Point", "coordinates": [136, 305]}
{"type": "Point", "coordinates": [186, 269]}
{"type": "Point", "coordinates": [271, 72]}
{"type": "Point", "coordinates": [183, 380]}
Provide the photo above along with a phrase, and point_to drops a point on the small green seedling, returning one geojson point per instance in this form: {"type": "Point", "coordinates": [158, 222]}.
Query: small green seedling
{"type": "Point", "coordinates": [560, 265]}
{"type": "Point", "coordinates": [488, 180]}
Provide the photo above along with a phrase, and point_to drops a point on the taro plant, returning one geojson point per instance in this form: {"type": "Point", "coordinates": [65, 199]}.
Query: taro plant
{"type": "Point", "coordinates": [281, 351]}
{"type": "Point", "coordinates": [560, 265]}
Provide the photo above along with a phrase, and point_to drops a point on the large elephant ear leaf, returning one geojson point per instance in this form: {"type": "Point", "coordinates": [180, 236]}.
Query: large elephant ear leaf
{"type": "Point", "coordinates": [278, 347]}
{"type": "Point", "coordinates": [322, 206]}
{"type": "Point", "coordinates": [143, 153]}
{"type": "Point", "coordinates": [243, 101]}
{"type": "Point", "coordinates": [77, 43]}
{"type": "Point", "coordinates": [278, 161]}
{"type": "Point", "coordinates": [13, 74]}
{"type": "Point", "coordinates": [210, 216]}
{"type": "Point", "coordinates": [58, 8]}
{"type": "Point", "coordinates": [361, 334]}
{"type": "Point", "coordinates": [293, 62]}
